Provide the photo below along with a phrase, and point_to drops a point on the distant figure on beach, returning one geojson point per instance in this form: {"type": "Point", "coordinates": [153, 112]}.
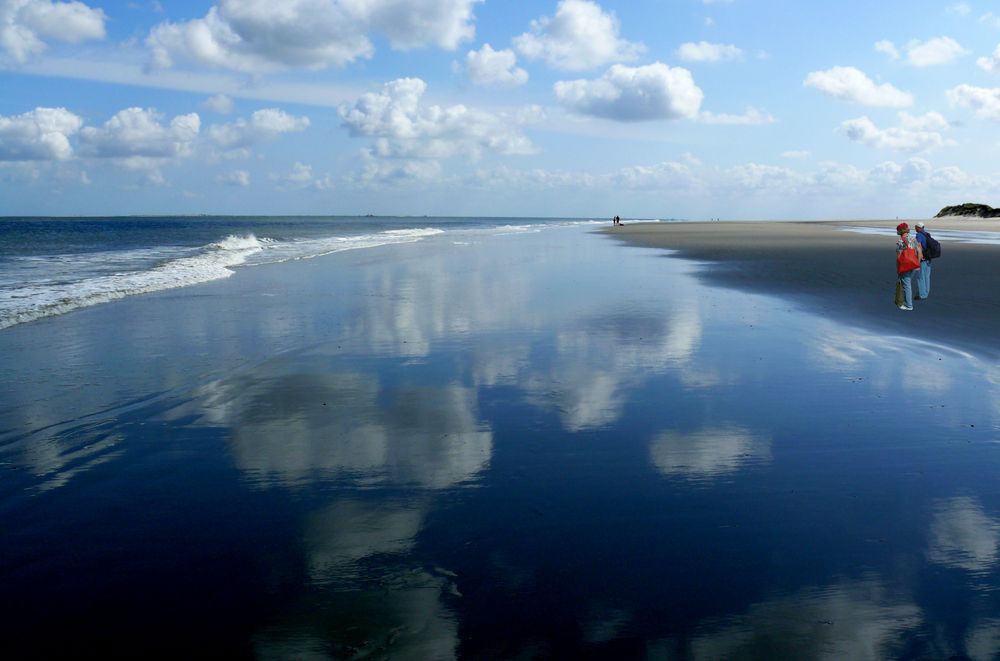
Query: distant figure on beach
{"type": "Point", "coordinates": [930, 248]}
{"type": "Point", "coordinates": [908, 256]}
{"type": "Point", "coordinates": [617, 220]}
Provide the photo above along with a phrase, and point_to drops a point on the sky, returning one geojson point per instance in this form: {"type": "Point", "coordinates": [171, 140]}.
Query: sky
{"type": "Point", "coordinates": [733, 109]}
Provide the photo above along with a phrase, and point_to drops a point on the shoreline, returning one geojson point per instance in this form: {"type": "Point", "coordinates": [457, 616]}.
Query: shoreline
{"type": "Point", "coordinates": [848, 276]}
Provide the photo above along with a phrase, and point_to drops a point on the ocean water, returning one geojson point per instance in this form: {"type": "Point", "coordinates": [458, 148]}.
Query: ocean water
{"type": "Point", "coordinates": [502, 439]}
{"type": "Point", "coordinates": [55, 265]}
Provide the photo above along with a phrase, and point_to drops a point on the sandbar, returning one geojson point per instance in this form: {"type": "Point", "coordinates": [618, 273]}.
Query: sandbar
{"type": "Point", "coordinates": [848, 276]}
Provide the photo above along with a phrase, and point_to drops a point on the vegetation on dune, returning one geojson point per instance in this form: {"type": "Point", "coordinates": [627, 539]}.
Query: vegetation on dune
{"type": "Point", "coordinates": [971, 210]}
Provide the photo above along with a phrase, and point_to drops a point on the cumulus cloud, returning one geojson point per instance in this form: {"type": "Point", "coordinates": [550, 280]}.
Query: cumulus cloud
{"type": "Point", "coordinates": [983, 101]}
{"type": "Point", "coordinates": [258, 35]}
{"type": "Point", "coordinates": [26, 24]}
{"type": "Point", "coordinates": [750, 117]}
{"type": "Point", "coordinates": [376, 172]}
{"type": "Point", "coordinates": [939, 50]}
{"type": "Point", "coordinates": [887, 47]}
{"type": "Point", "coordinates": [580, 36]}
{"type": "Point", "coordinates": [39, 135]}
{"type": "Point", "coordinates": [494, 67]}
{"type": "Point", "coordinates": [404, 128]}
{"type": "Point", "coordinates": [704, 51]}
{"type": "Point", "coordinates": [759, 177]}
{"type": "Point", "coordinates": [850, 84]}
{"type": "Point", "coordinates": [960, 9]}
{"type": "Point", "coordinates": [416, 23]}
{"type": "Point", "coordinates": [990, 64]}
{"type": "Point", "coordinates": [634, 94]}
{"type": "Point", "coordinates": [137, 133]}
{"type": "Point", "coordinates": [235, 178]}
{"type": "Point", "coordinates": [913, 134]}
{"type": "Point", "coordinates": [264, 125]}
{"type": "Point", "coordinates": [219, 103]}
{"type": "Point", "coordinates": [301, 177]}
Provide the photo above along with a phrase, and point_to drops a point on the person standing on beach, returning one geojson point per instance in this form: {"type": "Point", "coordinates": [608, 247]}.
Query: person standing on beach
{"type": "Point", "coordinates": [924, 276]}
{"type": "Point", "coordinates": [903, 242]}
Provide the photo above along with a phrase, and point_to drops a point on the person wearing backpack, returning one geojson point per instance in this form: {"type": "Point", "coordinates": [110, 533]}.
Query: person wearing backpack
{"type": "Point", "coordinates": [908, 256]}
{"type": "Point", "coordinates": [930, 248]}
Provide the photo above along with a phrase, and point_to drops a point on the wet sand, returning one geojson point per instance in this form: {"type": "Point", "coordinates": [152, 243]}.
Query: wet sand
{"type": "Point", "coordinates": [848, 276]}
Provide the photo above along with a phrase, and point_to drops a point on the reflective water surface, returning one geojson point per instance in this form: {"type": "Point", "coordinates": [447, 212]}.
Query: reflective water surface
{"type": "Point", "coordinates": [534, 445]}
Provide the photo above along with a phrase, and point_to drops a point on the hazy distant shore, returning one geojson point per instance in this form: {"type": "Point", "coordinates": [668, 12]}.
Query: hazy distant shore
{"type": "Point", "coordinates": [846, 275]}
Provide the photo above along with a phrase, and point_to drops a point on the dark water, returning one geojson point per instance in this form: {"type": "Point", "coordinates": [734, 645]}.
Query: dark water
{"type": "Point", "coordinates": [518, 446]}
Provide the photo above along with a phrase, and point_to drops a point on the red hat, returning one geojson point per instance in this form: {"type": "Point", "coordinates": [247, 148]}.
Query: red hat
{"type": "Point", "coordinates": [902, 227]}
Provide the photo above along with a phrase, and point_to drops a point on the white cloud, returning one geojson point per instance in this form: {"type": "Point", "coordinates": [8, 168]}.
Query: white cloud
{"type": "Point", "coordinates": [887, 47]}
{"type": "Point", "coordinates": [136, 134]}
{"type": "Point", "coordinates": [704, 51]}
{"type": "Point", "coordinates": [960, 9]}
{"type": "Point", "coordinates": [990, 19]}
{"type": "Point", "coordinates": [990, 64]}
{"type": "Point", "coordinates": [299, 177]}
{"type": "Point", "coordinates": [403, 128]}
{"type": "Point", "coordinates": [670, 174]}
{"type": "Point", "coordinates": [984, 101]}
{"type": "Point", "coordinates": [39, 135]}
{"type": "Point", "coordinates": [494, 67]}
{"type": "Point", "coordinates": [219, 103]}
{"type": "Point", "coordinates": [939, 50]}
{"type": "Point", "coordinates": [932, 121]}
{"type": "Point", "coordinates": [633, 94]}
{"type": "Point", "coordinates": [757, 177]}
{"type": "Point", "coordinates": [850, 84]}
{"type": "Point", "coordinates": [235, 178]}
{"type": "Point", "coordinates": [914, 133]}
{"type": "Point", "coordinates": [580, 36]}
{"type": "Point", "coordinates": [264, 125]}
{"type": "Point", "coordinates": [26, 24]}
{"type": "Point", "coordinates": [300, 173]}
{"type": "Point", "coordinates": [796, 153]}
{"type": "Point", "coordinates": [415, 23]}
{"type": "Point", "coordinates": [258, 35]}
{"type": "Point", "coordinates": [750, 117]}
{"type": "Point", "coordinates": [378, 173]}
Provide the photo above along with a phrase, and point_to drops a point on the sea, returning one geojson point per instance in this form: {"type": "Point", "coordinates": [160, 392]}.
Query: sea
{"type": "Point", "coordinates": [469, 438]}
{"type": "Point", "coordinates": [55, 265]}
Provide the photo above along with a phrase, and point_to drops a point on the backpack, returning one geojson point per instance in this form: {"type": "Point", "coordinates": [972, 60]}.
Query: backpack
{"type": "Point", "coordinates": [933, 247]}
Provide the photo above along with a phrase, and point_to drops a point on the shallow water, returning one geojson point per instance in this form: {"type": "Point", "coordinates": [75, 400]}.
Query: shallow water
{"type": "Point", "coordinates": [527, 445]}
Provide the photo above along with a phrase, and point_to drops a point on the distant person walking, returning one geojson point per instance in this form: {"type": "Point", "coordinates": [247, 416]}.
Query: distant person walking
{"type": "Point", "coordinates": [908, 256]}
{"type": "Point", "coordinates": [617, 220]}
{"type": "Point", "coordinates": [930, 248]}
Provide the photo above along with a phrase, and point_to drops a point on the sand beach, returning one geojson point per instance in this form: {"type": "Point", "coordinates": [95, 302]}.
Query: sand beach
{"type": "Point", "coordinates": [846, 275]}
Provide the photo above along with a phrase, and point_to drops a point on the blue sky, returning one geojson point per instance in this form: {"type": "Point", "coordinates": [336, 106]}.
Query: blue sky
{"type": "Point", "coordinates": [648, 108]}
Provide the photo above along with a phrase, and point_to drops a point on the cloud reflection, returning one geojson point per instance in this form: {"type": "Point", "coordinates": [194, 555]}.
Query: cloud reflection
{"type": "Point", "coordinates": [982, 642]}
{"type": "Point", "coordinates": [708, 453]}
{"type": "Point", "coordinates": [407, 619]}
{"type": "Point", "coordinates": [299, 427]}
{"type": "Point", "coordinates": [340, 535]}
{"type": "Point", "coordinates": [850, 620]}
{"type": "Point", "coordinates": [594, 367]}
{"type": "Point", "coordinates": [963, 536]}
